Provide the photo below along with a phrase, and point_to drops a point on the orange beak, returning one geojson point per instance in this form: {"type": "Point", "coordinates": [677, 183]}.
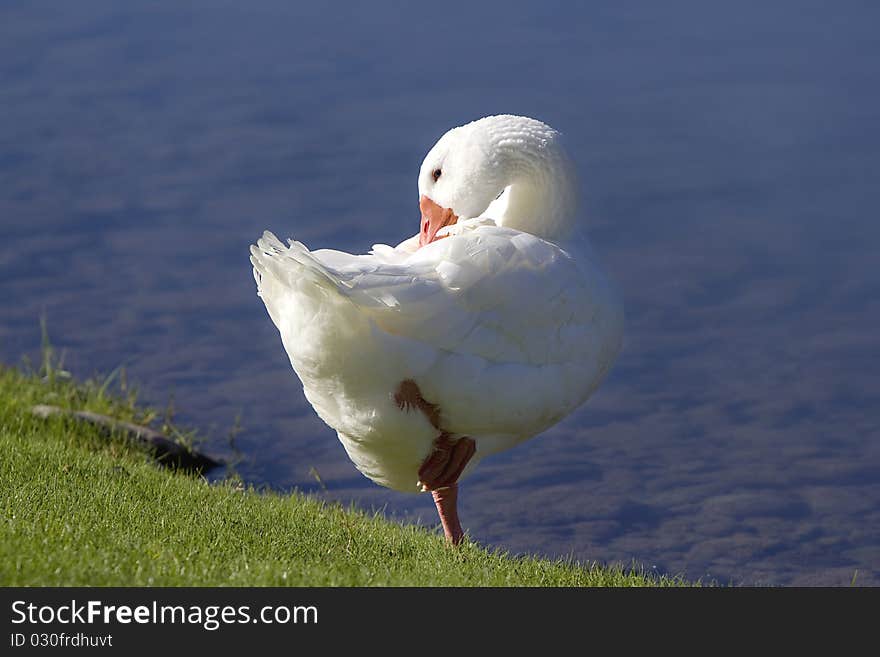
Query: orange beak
{"type": "Point", "coordinates": [434, 218]}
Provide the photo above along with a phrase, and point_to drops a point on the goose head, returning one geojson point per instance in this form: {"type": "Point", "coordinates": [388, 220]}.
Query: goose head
{"type": "Point", "coordinates": [514, 160]}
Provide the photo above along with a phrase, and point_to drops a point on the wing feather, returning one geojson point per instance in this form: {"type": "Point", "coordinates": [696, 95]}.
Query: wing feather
{"type": "Point", "coordinates": [491, 292]}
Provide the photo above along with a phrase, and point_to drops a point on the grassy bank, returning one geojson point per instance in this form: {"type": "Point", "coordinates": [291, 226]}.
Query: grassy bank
{"type": "Point", "coordinates": [79, 509]}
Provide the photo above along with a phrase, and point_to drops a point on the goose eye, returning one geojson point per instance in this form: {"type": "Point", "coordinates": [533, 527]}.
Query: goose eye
{"type": "Point", "coordinates": [435, 174]}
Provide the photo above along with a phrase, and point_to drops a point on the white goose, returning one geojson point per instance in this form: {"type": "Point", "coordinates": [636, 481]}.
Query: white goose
{"type": "Point", "coordinates": [431, 355]}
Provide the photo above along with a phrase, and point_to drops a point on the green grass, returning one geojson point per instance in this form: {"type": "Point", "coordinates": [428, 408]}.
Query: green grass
{"type": "Point", "coordinates": [79, 509]}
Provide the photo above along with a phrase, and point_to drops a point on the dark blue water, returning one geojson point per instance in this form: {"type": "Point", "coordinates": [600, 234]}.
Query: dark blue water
{"type": "Point", "coordinates": [729, 162]}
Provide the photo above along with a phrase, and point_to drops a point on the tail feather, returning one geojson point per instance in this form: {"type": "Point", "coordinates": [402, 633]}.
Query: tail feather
{"type": "Point", "coordinates": [290, 264]}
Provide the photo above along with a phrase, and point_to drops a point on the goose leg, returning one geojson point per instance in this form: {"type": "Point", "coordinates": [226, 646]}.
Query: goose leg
{"type": "Point", "coordinates": [439, 474]}
{"type": "Point", "coordinates": [446, 463]}
{"type": "Point", "coordinates": [440, 471]}
{"type": "Point", "coordinates": [446, 500]}
{"type": "Point", "coordinates": [408, 396]}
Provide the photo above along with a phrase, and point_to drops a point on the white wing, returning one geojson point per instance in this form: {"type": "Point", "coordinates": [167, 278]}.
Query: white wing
{"type": "Point", "coordinates": [523, 330]}
{"type": "Point", "coordinates": [496, 293]}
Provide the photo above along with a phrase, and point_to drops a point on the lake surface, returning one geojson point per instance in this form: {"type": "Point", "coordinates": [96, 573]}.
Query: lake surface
{"type": "Point", "coordinates": [729, 165]}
